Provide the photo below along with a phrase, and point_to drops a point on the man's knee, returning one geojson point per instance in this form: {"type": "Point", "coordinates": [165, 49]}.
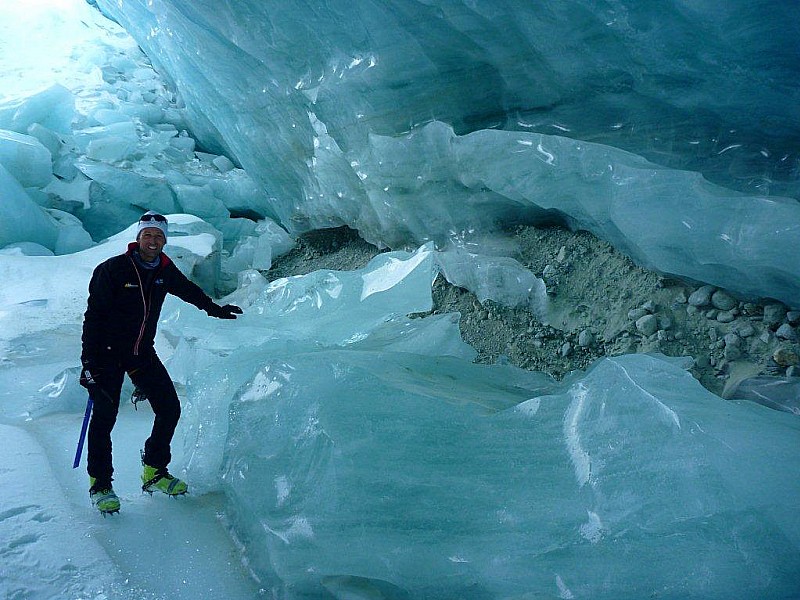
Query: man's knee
{"type": "Point", "coordinates": [104, 409]}
{"type": "Point", "coordinates": [165, 403]}
{"type": "Point", "coordinates": [169, 410]}
{"type": "Point", "coordinates": [157, 386]}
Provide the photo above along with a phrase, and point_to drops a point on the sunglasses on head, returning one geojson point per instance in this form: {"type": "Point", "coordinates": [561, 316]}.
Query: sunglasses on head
{"type": "Point", "coordinates": [159, 218]}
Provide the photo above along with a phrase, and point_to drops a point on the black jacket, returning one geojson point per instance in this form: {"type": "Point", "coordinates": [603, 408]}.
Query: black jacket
{"type": "Point", "coordinates": [123, 311]}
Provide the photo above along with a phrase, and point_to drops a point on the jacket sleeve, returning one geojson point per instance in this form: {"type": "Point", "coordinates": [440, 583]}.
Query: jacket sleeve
{"type": "Point", "coordinates": [97, 313]}
{"type": "Point", "coordinates": [188, 291]}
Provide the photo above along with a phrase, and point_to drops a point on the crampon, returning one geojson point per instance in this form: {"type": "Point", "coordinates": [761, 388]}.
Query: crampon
{"type": "Point", "coordinates": [160, 480]}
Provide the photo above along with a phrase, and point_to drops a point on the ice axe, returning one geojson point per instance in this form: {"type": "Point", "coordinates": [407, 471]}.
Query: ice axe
{"type": "Point", "coordinates": [86, 416]}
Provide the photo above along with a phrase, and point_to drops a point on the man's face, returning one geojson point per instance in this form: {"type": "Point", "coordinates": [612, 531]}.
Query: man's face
{"type": "Point", "coordinates": [151, 242]}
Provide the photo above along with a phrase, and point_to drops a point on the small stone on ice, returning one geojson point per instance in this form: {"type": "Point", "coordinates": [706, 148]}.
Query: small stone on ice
{"type": "Point", "coordinates": [702, 296]}
{"type": "Point", "coordinates": [786, 332]}
{"type": "Point", "coordinates": [647, 325]}
{"type": "Point", "coordinates": [722, 300]}
{"type": "Point", "coordinates": [785, 357]}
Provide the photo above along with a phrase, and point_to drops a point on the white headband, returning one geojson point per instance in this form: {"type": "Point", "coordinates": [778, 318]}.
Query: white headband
{"type": "Point", "coordinates": [158, 224]}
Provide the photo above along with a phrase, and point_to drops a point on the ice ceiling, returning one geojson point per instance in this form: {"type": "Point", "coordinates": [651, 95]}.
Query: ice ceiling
{"type": "Point", "coordinates": [669, 129]}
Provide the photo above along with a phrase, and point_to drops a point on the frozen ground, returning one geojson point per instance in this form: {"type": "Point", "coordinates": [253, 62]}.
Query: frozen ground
{"type": "Point", "coordinates": [55, 545]}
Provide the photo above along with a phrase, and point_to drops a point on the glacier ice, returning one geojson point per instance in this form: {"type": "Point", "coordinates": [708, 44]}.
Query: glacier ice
{"type": "Point", "coordinates": [671, 221]}
{"type": "Point", "coordinates": [336, 467]}
{"type": "Point", "coordinates": [72, 237]}
{"type": "Point", "coordinates": [21, 219]}
{"type": "Point", "coordinates": [121, 187]}
{"type": "Point", "coordinates": [258, 250]}
{"type": "Point", "coordinates": [387, 128]}
{"type": "Point", "coordinates": [361, 452]}
{"type": "Point", "coordinates": [675, 83]}
{"type": "Point", "coordinates": [324, 308]}
{"type": "Point", "coordinates": [780, 393]}
{"type": "Point", "coordinates": [26, 159]}
{"type": "Point", "coordinates": [497, 278]}
{"type": "Point", "coordinates": [201, 201]}
{"type": "Point", "coordinates": [53, 107]}
{"type": "Point", "coordinates": [368, 454]}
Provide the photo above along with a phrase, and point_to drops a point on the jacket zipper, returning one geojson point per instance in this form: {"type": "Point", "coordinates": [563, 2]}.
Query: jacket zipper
{"type": "Point", "coordinates": [144, 305]}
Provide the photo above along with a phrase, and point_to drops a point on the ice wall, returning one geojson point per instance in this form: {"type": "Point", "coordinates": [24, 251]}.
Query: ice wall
{"type": "Point", "coordinates": [364, 455]}
{"type": "Point", "coordinates": [632, 480]}
{"type": "Point", "coordinates": [327, 108]}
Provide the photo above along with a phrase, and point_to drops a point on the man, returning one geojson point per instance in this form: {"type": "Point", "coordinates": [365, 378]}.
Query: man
{"type": "Point", "coordinates": [126, 293]}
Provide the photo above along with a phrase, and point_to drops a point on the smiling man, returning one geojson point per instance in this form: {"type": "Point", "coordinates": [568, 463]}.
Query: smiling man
{"type": "Point", "coordinates": [126, 293]}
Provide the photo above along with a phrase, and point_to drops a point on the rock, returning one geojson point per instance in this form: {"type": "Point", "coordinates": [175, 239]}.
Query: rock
{"type": "Point", "coordinates": [721, 300]}
{"type": "Point", "coordinates": [732, 339]}
{"type": "Point", "coordinates": [549, 271]}
{"type": "Point", "coordinates": [702, 296]}
{"type": "Point", "coordinates": [774, 314]}
{"type": "Point", "coordinates": [702, 361]}
{"type": "Point", "coordinates": [585, 338]}
{"type": "Point", "coordinates": [732, 353]}
{"type": "Point", "coordinates": [785, 357]}
{"type": "Point", "coordinates": [744, 329]}
{"type": "Point", "coordinates": [562, 254]}
{"type": "Point", "coordinates": [691, 310]}
{"type": "Point", "coordinates": [726, 316]}
{"type": "Point", "coordinates": [566, 349]}
{"type": "Point", "coordinates": [786, 332]}
{"type": "Point", "coordinates": [680, 297]}
{"type": "Point", "coordinates": [647, 325]}
{"type": "Point", "coordinates": [793, 371]}
{"type": "Point", "coordinates": [649, 306]}
{"type": "Point", "coordinates": [664, 323]}
{"type": "Point", "coordinates": [793, 316]}
{"type": "Point", "coordinates": [637, 313]}
{"type": "Point", "coordinates": [750, 309]}
{"type": "Point", "coordinates": [712, 314]}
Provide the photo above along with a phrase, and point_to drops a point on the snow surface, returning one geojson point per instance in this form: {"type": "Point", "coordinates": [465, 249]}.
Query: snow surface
{"type": "Point", "coordinates": [56, 546]}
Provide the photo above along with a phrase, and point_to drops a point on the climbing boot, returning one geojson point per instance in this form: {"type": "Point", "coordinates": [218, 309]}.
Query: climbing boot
{"type": "Point", "coordinates": [103, 497]}
{"type": "Point", "coordinates": [154, 479]}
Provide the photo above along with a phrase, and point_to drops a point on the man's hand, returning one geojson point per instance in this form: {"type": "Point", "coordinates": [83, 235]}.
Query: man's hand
{"type": "Point", "coordinates": [89, 374]}
{"type": "Point", "coordinates": [229, 311]}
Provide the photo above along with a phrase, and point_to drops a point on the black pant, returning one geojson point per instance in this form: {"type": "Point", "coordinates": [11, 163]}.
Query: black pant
{"type": "Point", "coordinates": [149, 375]}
